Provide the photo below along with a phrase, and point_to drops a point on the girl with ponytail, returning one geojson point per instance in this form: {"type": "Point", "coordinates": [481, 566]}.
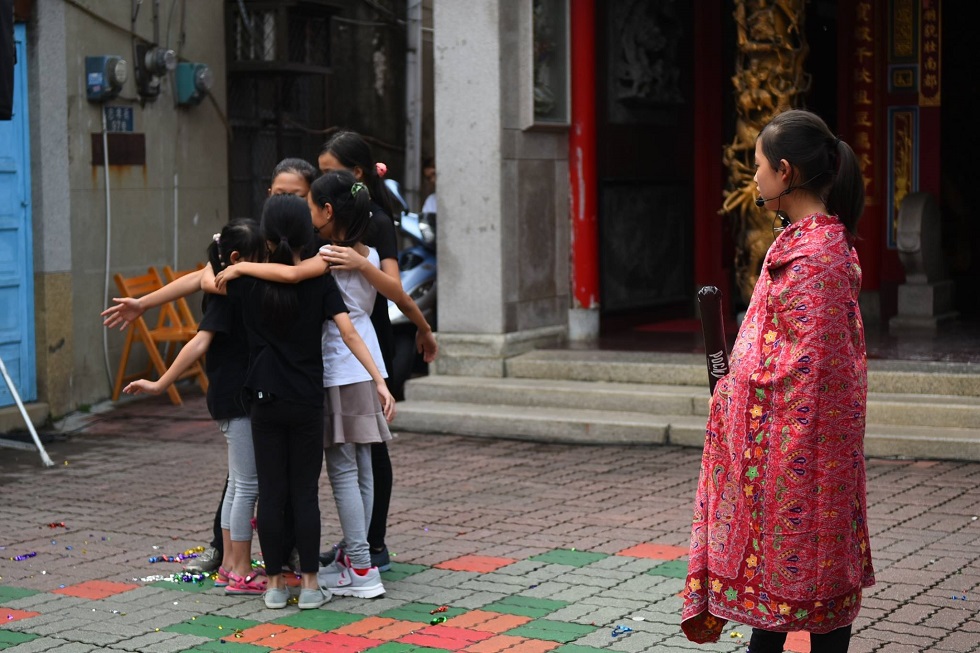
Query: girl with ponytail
{"type": "Point", "coordinates": [284, 323]}
{"type": "Point", "coordinates": [779, 539]}
{"type": "Point", "coordinates": [357, 408]}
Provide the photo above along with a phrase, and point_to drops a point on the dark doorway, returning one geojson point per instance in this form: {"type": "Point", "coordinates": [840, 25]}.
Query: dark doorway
{"type": "Point", "coordinates": [960, 97]}
{"type": "Point", "coordinates": [645, 161]}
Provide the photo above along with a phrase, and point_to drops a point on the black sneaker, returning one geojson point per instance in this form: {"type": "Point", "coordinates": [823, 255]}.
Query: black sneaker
{"type": "Point", "coordinates": [327, 557]}
{"type": "Point", "coordinates": [381, 560]}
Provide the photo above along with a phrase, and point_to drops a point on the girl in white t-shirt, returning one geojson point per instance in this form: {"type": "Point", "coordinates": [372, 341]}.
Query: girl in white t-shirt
{"type": "Point", "coordinates": [353, 415]}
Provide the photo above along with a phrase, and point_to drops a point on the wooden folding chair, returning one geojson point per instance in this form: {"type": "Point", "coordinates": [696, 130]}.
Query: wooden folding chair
{"type": "Point", "coordinates": [183, 308]}
{"type": "Point", "coordinates": [169, 331]}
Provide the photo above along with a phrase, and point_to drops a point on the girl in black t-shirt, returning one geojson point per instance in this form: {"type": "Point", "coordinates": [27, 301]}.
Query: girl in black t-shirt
{"type": "Point", "coordinates": [221, 335]}
{"type": "Point", "coordinates": [284, 382]}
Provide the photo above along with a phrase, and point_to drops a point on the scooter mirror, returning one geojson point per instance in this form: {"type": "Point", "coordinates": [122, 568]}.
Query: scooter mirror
{"type": "Point", "coordinates": [396, 192]}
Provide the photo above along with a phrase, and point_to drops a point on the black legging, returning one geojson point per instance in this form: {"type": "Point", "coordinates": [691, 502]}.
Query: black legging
{"type": "Point", "coordinates": [383, 479]}
{"type": "Point", "coordinates": [766, 641]}
{"type": "Point", "coordinates": [380, 461]}
{"type": "Point", "coordinates": [288, 440]}
{"type": "Point", "coordinates": [218, 541]}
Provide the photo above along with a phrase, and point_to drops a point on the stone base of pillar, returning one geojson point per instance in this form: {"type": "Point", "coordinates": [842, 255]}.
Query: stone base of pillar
{"type": "Point", "coordinates": [923, 307]}
{"type": "Point", "coordinates": [583, 324]}
{"type": "Point", "coordinates": [485, 354]}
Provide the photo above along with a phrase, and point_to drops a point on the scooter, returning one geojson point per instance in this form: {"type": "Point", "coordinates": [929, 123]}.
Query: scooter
{"type": "Point", "coordinates": [417, 265]}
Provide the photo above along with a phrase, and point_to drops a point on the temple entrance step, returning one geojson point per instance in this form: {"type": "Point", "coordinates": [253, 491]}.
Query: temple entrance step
{"type": "Point", "coordinates": [915, 410]}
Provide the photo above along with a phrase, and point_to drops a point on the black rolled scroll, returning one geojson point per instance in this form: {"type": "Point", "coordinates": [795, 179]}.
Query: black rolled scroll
{"type": "Point", "coordinates": [713, 328]}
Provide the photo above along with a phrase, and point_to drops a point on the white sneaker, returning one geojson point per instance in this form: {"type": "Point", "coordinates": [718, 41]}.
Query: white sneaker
{"type": "Point", "coordinates": [328, 574]}
{"type": "Point", "coordinates": [350, 583]}
{"type": "Point", "coordinates": [312, 599]}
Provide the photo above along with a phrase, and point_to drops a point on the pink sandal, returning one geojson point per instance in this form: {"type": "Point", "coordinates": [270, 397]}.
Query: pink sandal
{"type": "Point", "coordinates": [221, 579]}
{"type": "Point", "coordinates": [250, 584]}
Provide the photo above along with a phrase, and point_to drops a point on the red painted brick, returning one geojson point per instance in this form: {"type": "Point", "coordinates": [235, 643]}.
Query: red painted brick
{"type": "Point", "coordinates": [479, 564]}
{"type": "Point", "coordinates": [273, 635]}
{"type": "Point", "coordinates": [489, 622]}
{"type": "Point", "coordinates": [333, 643]}
{"type": "Point", "coordinates": [381, 628]}
{"type": "Point", "coordinates": [502, 643]}
{"type": "Point", "coordinates": [798, 642]}
{"type": "Point", "coordinates": [95, 589]}
{"type": "Point", "coordinates": [446, 637]}
{"type": "Point", "coordinates": [9, 614]}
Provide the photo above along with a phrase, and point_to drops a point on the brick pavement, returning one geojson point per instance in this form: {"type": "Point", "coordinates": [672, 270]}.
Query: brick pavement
{"type": "Point", "coordinates": [532, 547]}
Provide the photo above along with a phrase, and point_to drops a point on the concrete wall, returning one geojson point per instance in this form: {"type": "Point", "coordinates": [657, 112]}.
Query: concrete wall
{"type": "Point", "coordinates": [503, 194]}
{"type": "Point", "coordinates": [70, 215]}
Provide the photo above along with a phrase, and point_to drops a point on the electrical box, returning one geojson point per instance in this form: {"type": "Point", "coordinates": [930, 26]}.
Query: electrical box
{"type": "Point", "coordinates": [194, 81]}
{"type": "Point", "coordinates": [152, 63]}
{"type": "Point", "coordinates": [104, 77]}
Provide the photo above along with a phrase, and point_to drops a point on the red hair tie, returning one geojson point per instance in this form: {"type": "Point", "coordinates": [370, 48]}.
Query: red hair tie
{"type": "Point", "coordinates": [381, 168]}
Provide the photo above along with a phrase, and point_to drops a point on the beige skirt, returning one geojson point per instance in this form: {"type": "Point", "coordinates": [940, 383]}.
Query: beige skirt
{"type": "Point", "coordinates": [352, 414]}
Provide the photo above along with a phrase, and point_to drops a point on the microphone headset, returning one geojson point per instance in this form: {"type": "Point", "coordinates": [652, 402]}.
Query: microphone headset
{"type": "Point", "coordinates": [761, 201]}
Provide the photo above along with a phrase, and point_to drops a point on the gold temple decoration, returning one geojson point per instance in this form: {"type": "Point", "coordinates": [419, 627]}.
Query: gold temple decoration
{"type": "Point", "coordinates": [769, 78]}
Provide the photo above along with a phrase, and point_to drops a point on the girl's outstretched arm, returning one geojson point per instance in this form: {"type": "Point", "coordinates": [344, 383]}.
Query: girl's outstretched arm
{"type": "Point", "coordinates": [194, 349]}
{"type": "Point", "coordinates": [357, 347]}
{"type": "Point", "coordinates": [388, 282]}
{"type": "Point", "coordinates": [207, 282]}
{"type": "Point", "coordinates": [307, 269]}
{"type": "Point", "coordinates": [127, 309]}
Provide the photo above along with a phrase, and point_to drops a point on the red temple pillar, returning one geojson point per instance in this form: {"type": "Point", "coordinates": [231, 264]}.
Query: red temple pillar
{"type": "Point", "coordinates": [583, 182]}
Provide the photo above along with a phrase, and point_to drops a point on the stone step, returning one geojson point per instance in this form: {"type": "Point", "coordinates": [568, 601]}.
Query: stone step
{"type": "Point", "coordinates": [584, 426]}
{"type": "Point", "coordinates": [895, 377]}
{"type": "Point", "coordinates": [546, 423]}
{"type": "Point", "coordinates": [553, 393]}
{"type": "Point", "coordinates": [922, 442]}
{"type": "Point", "coordinates": [883, 408]}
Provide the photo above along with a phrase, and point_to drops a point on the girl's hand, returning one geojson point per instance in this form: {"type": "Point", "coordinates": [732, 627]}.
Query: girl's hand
{"type": "Point", "coordinates": [123, 313]}
{"type": "Point", "coordinates": [426, 344]}
{"type": "Point", "coordinates": [387, 402]}
{"type": "Point", "coordinates": [142, 386]}
{"type": "Point", "coordinates": [342, 258]}
{"type": "Point", "coordinates": [225, 276]}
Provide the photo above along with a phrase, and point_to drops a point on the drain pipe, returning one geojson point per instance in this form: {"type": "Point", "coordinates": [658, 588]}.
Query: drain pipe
{"type": "Point", "coordinates": [108, 241]}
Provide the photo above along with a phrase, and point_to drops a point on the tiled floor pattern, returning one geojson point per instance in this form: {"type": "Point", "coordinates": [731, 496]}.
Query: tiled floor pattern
{"type": "Point", "coordinates": [503, 605]}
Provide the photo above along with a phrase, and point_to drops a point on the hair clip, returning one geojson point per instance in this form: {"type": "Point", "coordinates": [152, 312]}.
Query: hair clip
{"type": "Point", "coordinates": [381, 168]}
{"type": "Point", "coordinates": [217, 238]}
{"type": "Point", "coordinates": [356, 188]}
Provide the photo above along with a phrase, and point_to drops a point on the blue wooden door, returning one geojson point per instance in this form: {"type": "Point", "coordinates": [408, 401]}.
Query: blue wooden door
{"type": "Point", "coordinates": [16, 263]}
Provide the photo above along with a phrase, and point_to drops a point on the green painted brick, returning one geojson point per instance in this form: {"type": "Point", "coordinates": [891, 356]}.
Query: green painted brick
{"type": "Point", "coordinates": [211, 626]}
{"type": "Point", "coordinates": [10, 638]}
{"type": "Point", "coordinates": [420, 612]}
{"type": "Point", "coordinates": [401, 570]}
{"type": "Point", "coordinates": [8, 593]}
{"type": "Point", "coordinates": [670, 569]}
{"type": "Point", "coordinates": [569, 557]}
{"type": "Point", "coordinates": [322, 620]}
{"type": "Point", "coordinates": [525, 606]}
{"type": "Point", "coordinates": [185, 587]}
{"type": "Point", "coordinates": [553, 631]}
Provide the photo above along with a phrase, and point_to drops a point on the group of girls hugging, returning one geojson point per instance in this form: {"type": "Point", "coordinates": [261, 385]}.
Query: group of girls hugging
{"type": "Point", "coordinates": [298, 345]}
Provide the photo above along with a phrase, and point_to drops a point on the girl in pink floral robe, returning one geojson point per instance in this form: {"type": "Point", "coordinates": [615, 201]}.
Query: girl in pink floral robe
{"type": "Point", "coordinates": [780, 539]}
